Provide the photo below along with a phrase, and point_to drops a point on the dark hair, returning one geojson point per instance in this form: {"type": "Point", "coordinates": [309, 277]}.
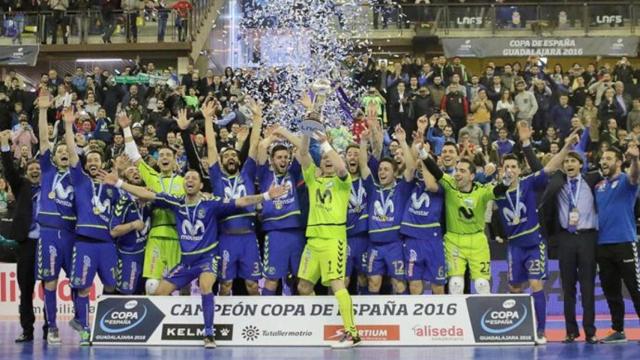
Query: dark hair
{"type": "Point", "coordinates": [93, 150]}
{"type": "Point", "coordinates": [472, 167]}
{"type": "Point", "coordinates": [173, 151]}
{"type": "Point", "coordinates": [351, 146]}
{"type": "Point", "coordinates": [29, 163]}
{"type": "Point", "coordinates": [278, 147]}
{"type": "Point", "coordinates": [451, 143]}
{"type": "Point", "coordinates": [391, 161]}
{"type": "Point", "coordinates": [617, 152]}
{"type": "Point", "coordinates": [510, 157]}
{"type": "Point", "coordinates": [575, 155]}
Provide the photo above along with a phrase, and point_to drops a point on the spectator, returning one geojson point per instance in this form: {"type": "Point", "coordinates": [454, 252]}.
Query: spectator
{"type": "Point", "coordinates": [588, 114]}
{"type": "Point", "coordinates": [482, 108]}
{"type": "Point", "coordinates": [600, 86]}
{"type": "Point", "coordinates": [610, 108]}
{"type": "Point", "coordinates": [456, 67]}
{"type": "Point", "coordinates": [81, 7]}
{"type": "Point", "coordinates": [23, 137]}
{"type": "Point", "coordinates": [561, 116]}
{"type": "Point", "coordinates": [163, 16]}
{"type": "Point", "coordinates": [182, 8]}
{"type": "Point", "coordinates": [473, 132]}
{"type": "Point", "coordinates": [59, 20]}
{"type": "Point", "coordinates": [437, 89]}
{"type": "Point", "coordinates": [107, 8]}
{"type": "Point", "coordinates": [623, 99]}
{"type": "Point", "coordinates": [422, 104]}
{"type": "Point", "coordinates": [506, 108]}
{"type": "Point", "coordinates": [610, 134]}
{"type": "Point", "coordinates": [634, 115]}
{"type": "Point", "coordinates": [525, 102]}
{"type": "Point", "coordinates": [455, 104]}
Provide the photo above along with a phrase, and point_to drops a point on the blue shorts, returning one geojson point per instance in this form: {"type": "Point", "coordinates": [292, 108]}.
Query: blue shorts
{"type": "Point", "coordinates": [527, 263]}
{"type": "Point", "coordinates": [386, 259]}
{"type": "Point", "coordinates": [240, 257]}
{"type": "Point", "coordinates": [129, 274]}
{"type": "Point", "coordinates": [185, 272]}
{"type": "Point", "coordinates": [425, 260]}
{"type": "Point", "coordinates": [357, 254]}
{"type": "Point", "coordinates": [55, 248]}
{"type": "Point", "coordinates": [282, 253]}
{"type": "Point", "coordinates": [91, 257]}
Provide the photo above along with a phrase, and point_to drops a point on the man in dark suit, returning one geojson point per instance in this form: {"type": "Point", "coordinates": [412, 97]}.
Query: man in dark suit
{"type": "Point", "coordinates": [568, 210]}
{"type": "Point", "coordinates": [24, 230]}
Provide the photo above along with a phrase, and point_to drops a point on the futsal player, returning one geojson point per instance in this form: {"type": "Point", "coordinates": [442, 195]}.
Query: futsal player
{"type": "Point", "coordinates": [196, 214]}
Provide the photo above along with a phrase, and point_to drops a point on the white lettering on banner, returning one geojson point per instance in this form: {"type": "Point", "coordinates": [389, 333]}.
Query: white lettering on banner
{"type": "Point", "coordinates": [10, 295]}
{"type": "Point", "coordinates": [609, 19]}
{"type": "Point", "coordinates": [469, 20]}
{"type": "Point", "coordinates": [315, 321]}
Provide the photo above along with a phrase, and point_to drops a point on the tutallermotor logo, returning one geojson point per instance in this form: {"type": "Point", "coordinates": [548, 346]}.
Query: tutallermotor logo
{"type": "Point", "coordinates": [500, 321]}
{"type": "Point", "coordinates": [250, 333]}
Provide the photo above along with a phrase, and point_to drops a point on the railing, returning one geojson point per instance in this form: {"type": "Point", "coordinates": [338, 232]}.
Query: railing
{"type": "Point", "coordinates": [526, 17]}
{"type": "Point", "coordinates": [148, 25]}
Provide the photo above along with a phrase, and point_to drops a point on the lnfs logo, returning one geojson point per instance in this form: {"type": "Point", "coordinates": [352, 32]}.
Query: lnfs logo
{"type": "Point", "coordinates": [500, 321]}
{"type": "Point", "coordinates": [116, 321]}
{"type": "Point", "coordinates": [250, 333]}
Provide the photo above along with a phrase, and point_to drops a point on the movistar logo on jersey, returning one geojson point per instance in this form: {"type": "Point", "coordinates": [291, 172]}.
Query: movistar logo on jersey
{"type": "Point", "coordinates": [192, 231]}
{"type": "Point", "coordinates": [325, 198]}
{"type": "Point", "coordinates": [384, 212]}
{"type": "Point", "coordinates": [147, 225]}
{"type": "Point", "coordinates": [356, 199]}
{"type": "Point", "coordinates": [64, 193]}
{"type": "Point", "coordinates": [101, 207]}
{"type": "Point", "coordinates": [420, 203]}
{"type": "Point", "coordinates": [515, 217]}
{"type": "Point", "coordinates": [235, 193]}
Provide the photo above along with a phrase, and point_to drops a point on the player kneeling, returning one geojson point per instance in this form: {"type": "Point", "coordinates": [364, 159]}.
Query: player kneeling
{"type": "Point", "coordinates": [197, 218]}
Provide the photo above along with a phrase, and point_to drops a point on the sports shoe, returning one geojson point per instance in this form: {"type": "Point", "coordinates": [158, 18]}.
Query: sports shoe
{"type": "Point", "coordinates": [75, 325]}
{"type": "Point", "coordinates": [540, 338]}
{"type": "Point", "coordinates": [347, 341]}
{"type": "Point", "coordinates": [85, 338]}
{"type": "Point", "coordinates": [591, 340]}
{"type": "Point", "coordinates": [614, 337]}
{"type": "Point", "coordinates": [53, 337]}
{"type": "Point", "coordinates": [209, 342]}
{"type": "Point", "coordinates": [570, 338]}
{"type": "Point", "coordinates": [23, 338]}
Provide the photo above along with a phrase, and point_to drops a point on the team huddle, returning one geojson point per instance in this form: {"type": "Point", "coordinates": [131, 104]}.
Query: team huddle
{"type": "Point", "coordinates": [409, 217]}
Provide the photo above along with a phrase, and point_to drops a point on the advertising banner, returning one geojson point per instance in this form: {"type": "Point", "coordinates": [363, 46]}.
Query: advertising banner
{"type": "Point", "coordinates": [10, 296]}
{"type": "Point", "coordinates": [523, 46]}
{"type": "Point", "coordinates": [315, 320]}
{"type": "Point", "coordinates": [19, 54]}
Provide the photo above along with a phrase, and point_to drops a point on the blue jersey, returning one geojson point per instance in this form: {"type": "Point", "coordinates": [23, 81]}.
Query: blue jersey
{"type": "Point", "coordinates": [357, 214]}
{"type": "Point", "coordinates": [197, 223]}
{"type": "Point", "coordinates": [231, 188]}
{"type": "Point", "coordinates": [58, 212]}
{"type": "Point", "coordinates": [385, 209]}
{"type": "Point", "coordinates": [125, 211]}
{"type": "Point", "coordinates": [518, 210]}
{"type": "Point", "coordinates": [284, 212]}
{"type": "Point", "coordinates": [423, 212]}
{"type": "Point", "coordinates": [93, 203]}
{"type": "Point", "coordinates": [615, 200]}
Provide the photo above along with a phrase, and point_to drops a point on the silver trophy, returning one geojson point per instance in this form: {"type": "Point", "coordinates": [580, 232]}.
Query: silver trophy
{"type": "Point", "coordinates": [321, 89]}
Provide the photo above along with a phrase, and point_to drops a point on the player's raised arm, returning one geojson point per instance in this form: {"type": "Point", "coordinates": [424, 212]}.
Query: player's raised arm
{"type": "Point", "coordinates": [363, 158]}
{"type": "Point", "coordinates": [275, 191]}
{"type": "Point", "coordinates": [263, 149]}
{"type": "Point", "coordinates": [256, 128]}
{"type": "Point", "coordinates": [130, 147]}
{"type": "Point", "coordinates": [556, 161]}
{"type": "Point", "coordinates": [429, 180]}
{"type": "Point", "coordinates": [43, 104]}
{"type": "Point", "coordinates": [208, 111]}
{"type": "Point", "coordinates": [410, 163]}
{"type": "Point", "coordinates": [336, 159]}
{"type": "Point", "coordinates": [137, 191]}
{"type": "Point", "coordinates": [69, 118]}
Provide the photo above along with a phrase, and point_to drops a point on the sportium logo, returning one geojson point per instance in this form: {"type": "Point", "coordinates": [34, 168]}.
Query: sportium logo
{"type": "Point", "coordinates": [366, 332]}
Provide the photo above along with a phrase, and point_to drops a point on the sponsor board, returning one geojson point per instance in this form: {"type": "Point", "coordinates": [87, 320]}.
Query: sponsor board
{"type": "Point", "coordinates": [315, 321]}
{"type": "Point", "coordinates": [526, 46]}
{"type": "Point", "coordinates": [10, 296]}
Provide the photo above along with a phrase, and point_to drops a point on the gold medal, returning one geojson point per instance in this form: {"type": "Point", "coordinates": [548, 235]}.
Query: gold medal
{"type": "Point", "coordinates": [516, 220]}
{"type": "Point", "coordinates": [52, 195]}
{"type": "Point", "coordinates": [278, 204]}
{"type": "Point", "coordinates": [383, 218]}
{"type": "Point", "coordinates": [97, 211]}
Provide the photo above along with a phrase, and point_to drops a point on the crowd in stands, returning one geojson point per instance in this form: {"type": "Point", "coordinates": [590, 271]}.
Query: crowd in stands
{"type": "Point", "coordinates": [439, 97]}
